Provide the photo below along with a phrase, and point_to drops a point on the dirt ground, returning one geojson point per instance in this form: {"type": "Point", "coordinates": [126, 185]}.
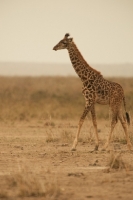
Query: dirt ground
{"type": "Point", "coordinates": [36, 162]}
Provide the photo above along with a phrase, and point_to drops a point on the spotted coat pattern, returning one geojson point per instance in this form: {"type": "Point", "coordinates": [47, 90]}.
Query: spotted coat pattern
{"type": "Point", "coordinates": [96, 89]}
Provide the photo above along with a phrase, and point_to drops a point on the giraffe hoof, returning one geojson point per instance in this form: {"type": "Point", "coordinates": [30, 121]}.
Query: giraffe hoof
{"type": "Point", "coordinates": [96, 148]}
{"type": "Point", "coordinates": [73, 149]}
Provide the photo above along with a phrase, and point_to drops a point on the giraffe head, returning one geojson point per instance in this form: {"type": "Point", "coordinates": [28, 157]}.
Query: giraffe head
{"type": "Point", "coordinates": [64, 44]}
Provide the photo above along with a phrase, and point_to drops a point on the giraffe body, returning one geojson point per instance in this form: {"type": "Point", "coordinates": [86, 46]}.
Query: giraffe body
{"type": "Point", "coordinates": [96, 89]}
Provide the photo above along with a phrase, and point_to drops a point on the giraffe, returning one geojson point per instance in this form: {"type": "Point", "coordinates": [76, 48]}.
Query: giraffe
{"type": "Point", "coordinates": [96, 89]}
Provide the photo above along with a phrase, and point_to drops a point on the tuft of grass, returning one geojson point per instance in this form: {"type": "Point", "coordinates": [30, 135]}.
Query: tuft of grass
{"type": "Point", "coordinates": [123, 141]}
{"type": "Point", "coordinates": [116, 162]}
{"type": "Point", "coordinates": [120, 140]}
{"type": "Point", "coordinates": [50, 137]}
{"type": "Point", "coordinates": [49, 123]}
{"type": "Point", "coordinates": [66, 136]}
{"type": "Point", "coordinates": [26, 184]}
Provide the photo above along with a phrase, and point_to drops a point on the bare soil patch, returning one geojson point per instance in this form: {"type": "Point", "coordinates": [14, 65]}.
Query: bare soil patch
{"type": "Point", "coordinates": [36, 162]}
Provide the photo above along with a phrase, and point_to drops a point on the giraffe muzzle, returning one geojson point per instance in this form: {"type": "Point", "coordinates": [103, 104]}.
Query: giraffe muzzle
{"type": "Point", "coordinates": [55, 49]}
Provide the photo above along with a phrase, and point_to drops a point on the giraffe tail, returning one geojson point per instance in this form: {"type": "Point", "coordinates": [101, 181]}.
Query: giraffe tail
{"type": "Point", "coordinates": [128, 118]}
{"type": "Point", "coordinates": [127, 114]}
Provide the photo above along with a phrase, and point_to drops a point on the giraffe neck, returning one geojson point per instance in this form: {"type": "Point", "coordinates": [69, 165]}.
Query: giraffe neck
{"type": "Point", "coordinates": [81, 67]}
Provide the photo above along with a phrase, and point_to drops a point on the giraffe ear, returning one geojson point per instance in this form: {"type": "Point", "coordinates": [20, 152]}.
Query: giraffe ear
{"type": "Point", "coordinates": [70, 39]}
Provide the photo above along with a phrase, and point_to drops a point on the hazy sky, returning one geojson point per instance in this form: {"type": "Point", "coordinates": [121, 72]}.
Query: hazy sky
{"type": "Point", "coordinates": [102, 30]}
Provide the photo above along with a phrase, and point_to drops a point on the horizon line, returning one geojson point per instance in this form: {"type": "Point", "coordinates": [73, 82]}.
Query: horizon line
{"type": "Point", "coordinates": [61, 63]}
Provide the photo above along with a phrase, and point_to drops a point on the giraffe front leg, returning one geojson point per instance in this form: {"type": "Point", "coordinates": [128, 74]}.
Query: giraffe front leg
{"type": "Point", "coordinates": [86, 110]}
{"type": "Point", "coordinates": [93, 115]}
{"type": "Point", "coordinates": [77, 136]}
{"type": "Point", "coordinates": [113, 123]}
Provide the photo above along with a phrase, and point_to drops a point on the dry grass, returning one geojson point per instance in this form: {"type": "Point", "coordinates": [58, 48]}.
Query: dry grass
{"type": "Point", "coordinates": [51, 137]}
{"type": "Point", "coordinates": [66, 133]}
{"type": "Point", "coordinates": [28, 184]}
{"type": "Point", "coordinates": [117, 162]}
{"type": "Point", "coordinates": [28, 98]}
{"type": "Point", "coordinates": [66, 136]}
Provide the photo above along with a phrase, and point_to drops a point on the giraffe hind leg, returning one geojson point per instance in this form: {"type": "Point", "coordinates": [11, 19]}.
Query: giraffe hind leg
{"type": "Point", "coordinates": [113, 123]}
{"type": "Point", "coordinates": [124, 125]}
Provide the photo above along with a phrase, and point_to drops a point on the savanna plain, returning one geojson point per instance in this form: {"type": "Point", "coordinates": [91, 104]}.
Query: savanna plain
{"type": "Point", "coordinates": [38, 123]}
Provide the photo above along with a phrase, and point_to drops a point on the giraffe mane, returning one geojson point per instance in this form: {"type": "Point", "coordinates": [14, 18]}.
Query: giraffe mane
{"type": "Point", "coordinates": [85, 60]}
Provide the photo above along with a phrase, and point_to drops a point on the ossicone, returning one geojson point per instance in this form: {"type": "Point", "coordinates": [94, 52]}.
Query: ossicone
{"type": "Point", "coordinates": [66, 35]}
